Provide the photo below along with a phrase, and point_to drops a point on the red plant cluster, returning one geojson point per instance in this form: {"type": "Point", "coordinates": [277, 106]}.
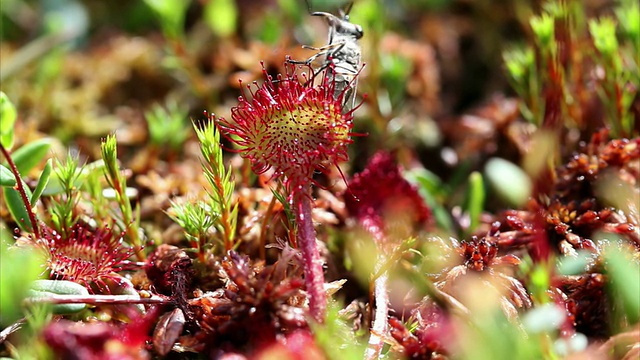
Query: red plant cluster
{"type": "Point", "coordinates": [433, 333]}
{"type": "Point", "coordinates": [380, 191]}
{"type": "Point", "coordinates": [87, 256]}
{"type": "Point", "coordinates": [480, 257]}
{"type": "Point", "coordinates": [256, 305]}
{"type": "Point", "coordinates": [100, 340]}
{"type": "Point", "coordinates": [576, 208]}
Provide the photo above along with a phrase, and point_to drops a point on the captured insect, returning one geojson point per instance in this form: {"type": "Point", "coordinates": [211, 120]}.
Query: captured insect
{"type": "Point", "coordinates": [342, 54]}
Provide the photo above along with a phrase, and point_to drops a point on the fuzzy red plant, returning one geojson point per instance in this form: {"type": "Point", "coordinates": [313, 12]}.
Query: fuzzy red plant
{"type": "Point", "coordinates": [294, 127]}
{"type": "Point", "coordinates": [99, 340]}
{"type": "Point", "coordinates": [383, 201]}
{"type": "Point", "coordinates": [381, 190]}
{"type": "Point", "coordinates": [87, 256]}
{"type": "Point", "coordinates": [257, 305]}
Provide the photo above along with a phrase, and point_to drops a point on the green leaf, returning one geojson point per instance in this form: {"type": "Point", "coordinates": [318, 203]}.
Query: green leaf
{"type": "Point", "coordinates": [29, 155]}
{"type": "Point", "coordinates": [475, 199]}
{"type": "Point", "coordinates": [42, 182]}
{"type": "Point", "coordinates": [8, 115]}
{"type": "Point", "coordinates": [6, 177]}
{"type": "Point", "coordinates": [335, 337]}
{"type": "Point", "coordinates": [574, 265]}
{"type": "Point", "coordinates": [60, 287]}
{"type": "Point", "coordinates": [624, 284]}
{"type": "Point", "coordinates": [15, 283]}
{"type": "Point", "coordinates": [46, 288]}
{"type": "Point", "coordinates": [17, 207]}
{"type": "Point", "coordinates": [509, 182]}
{"type": "Point", "coordinates": [431, 188]}
{"type": "Point", "coordinates": [171, 14]}
{"type": "Point", "coordinates": [221, 16]}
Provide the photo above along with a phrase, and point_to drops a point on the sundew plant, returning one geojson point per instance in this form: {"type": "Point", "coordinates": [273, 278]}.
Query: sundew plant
{"type": "Point", "coordinates": [320, 180]}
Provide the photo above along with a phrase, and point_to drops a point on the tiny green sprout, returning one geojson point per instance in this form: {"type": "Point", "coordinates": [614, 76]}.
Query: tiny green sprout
{"type": "Point", "coordinates": [518, 62]}
{"type": "Point", "coordinates": [67, 174]}
{"type": "Point", "coordinates": [544, 30]}
{"type": "Point", "coordinates": [117, 181]}
{"type": "Point", "coordinates": [603, 31]}
{"type": "Point", "coordinates": [556, 9]}
{"type": "Point", "coordinates": [167, 125]}
{"type": "Point", "coordinates": [628, 15]}
{"type": "Point", "coordinates": [618, 72]}
{"type": "Point", "coordinates": [222, 185]}
{"type": "Point", "coordinates": [196, 219]}
{"type": "Point", "coordinates": [523, 76]}
{"type": "Point", "coordinates": [171, 14]}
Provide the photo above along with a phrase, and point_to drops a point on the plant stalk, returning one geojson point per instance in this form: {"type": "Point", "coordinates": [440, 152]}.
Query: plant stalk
{"type": "Point", "coordinates": [306, 236]}
{"type": "Point", "coordinates": [96, 299]}
{"type": "Point", "coordinates": [379, 328]}
{"type": "Point", "coordinates": [22, 191]}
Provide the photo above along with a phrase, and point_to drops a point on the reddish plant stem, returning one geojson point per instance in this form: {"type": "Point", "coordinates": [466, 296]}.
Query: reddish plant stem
{"type": "Point", "coordinates": [313, 273]}
{"type": "Point", "coordinates": [225, 213]}
{"type": "Point", "coordinates": [97, 299]}
{"type": "Point", "coordinates": [265, 228]}
{"type": "Point", "coordinates": [379, 328]}
{"type": "Point", "coordinates": [22, 191]}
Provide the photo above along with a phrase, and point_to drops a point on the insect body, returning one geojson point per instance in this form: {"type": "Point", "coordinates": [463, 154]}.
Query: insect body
{"type": "Point", "coordinates": [341, 56]}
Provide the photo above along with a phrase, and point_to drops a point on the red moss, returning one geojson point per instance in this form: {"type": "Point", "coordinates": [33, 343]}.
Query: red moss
{"type": "Point", "coordinates": [427, 341]}
{"type": "Point", "coordinates": [256, 305]}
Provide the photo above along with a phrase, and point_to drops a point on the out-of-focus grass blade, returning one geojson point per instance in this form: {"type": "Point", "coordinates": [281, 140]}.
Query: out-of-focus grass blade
{"type": "Point", "coordinates": [475, 200]}
{"type": "Point", "coordinates": [42, 181]}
